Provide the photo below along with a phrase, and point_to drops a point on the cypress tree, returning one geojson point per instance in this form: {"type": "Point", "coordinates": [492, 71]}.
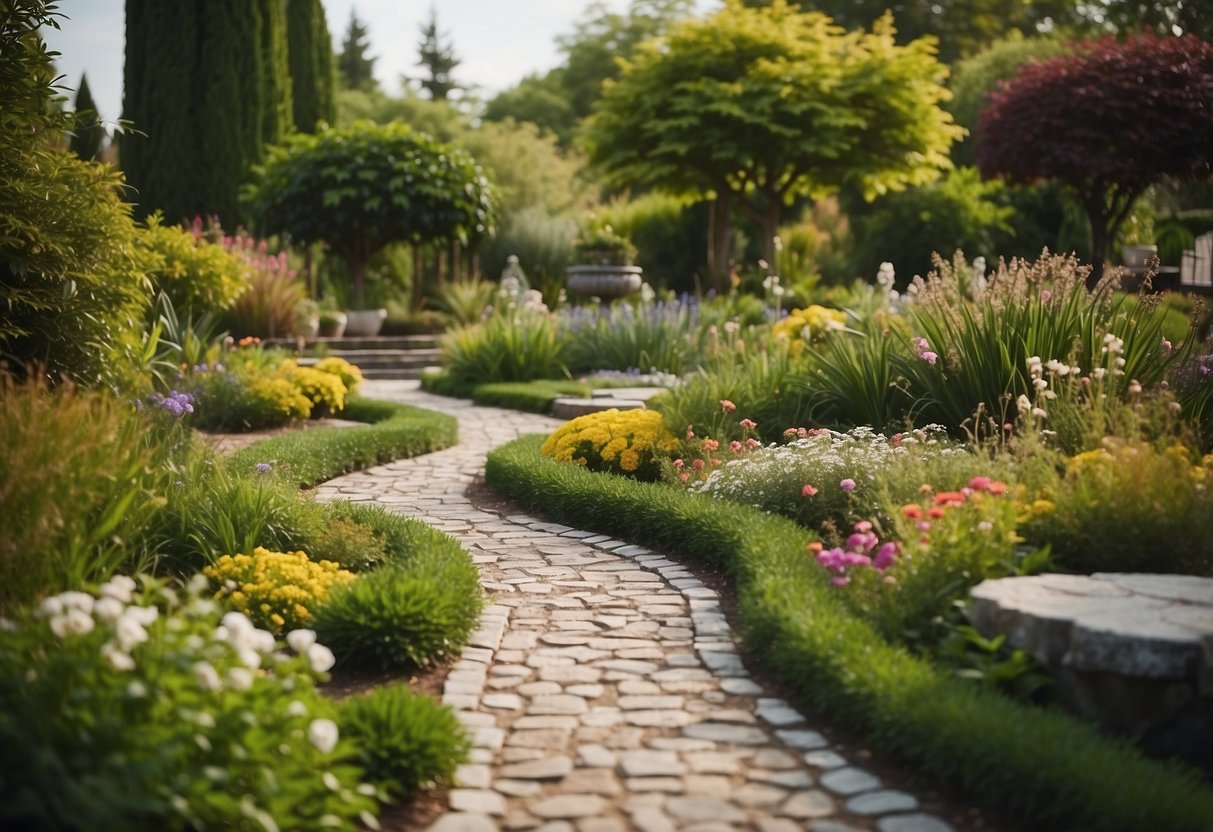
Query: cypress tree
{"type": "Point", "coordinates": [87, 131]}
{"type": "Point", "coordinates": [438, 60]}
{"type": "Point", "coordinates": [310, 49]}
{"type": "Point", "coordinates": [205, 88]}
{"type": "Point", "coordinates": [357, 70]}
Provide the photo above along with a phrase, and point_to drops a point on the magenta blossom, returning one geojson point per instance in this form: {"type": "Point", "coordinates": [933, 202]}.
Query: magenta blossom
{"type": "Point", "coordinates": [847, 485]}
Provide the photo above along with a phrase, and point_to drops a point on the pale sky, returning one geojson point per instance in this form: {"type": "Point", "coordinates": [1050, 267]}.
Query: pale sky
{"type": "Point", "coordinates": [497, 42]}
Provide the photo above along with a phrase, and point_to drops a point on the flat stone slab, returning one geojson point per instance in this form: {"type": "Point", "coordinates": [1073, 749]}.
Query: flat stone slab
{"type": "Point", "coordinates": [636, 393]}
{"type": "Point", "coordinates": [571, 408]}
{"type": "Point", "coordinates": [1146, 626]}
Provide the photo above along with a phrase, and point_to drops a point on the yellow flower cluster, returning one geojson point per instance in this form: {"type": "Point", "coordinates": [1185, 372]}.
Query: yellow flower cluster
{"type": "Point", "coordinates": [350, 375]}
{"type": "Point", "coordinates": [803, 326]}
{"type": "Point", "coordinates": [277, 399]}
{"type": "Point", "coordinates": [324, 390]}
{"type": "Point", "coordinates": [277, 590]}
{"type": "Point", "coordinates": [630, 442]}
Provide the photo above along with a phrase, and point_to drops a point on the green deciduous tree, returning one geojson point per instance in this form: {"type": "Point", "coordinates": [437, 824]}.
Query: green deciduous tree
{"type": "Point", "coordinates": [1106, 121]}
{"type": "Point", "coordinates": [367, 185]}
{"type": "Point", "coordinates": [206, 86]}
{"type": "Point", "coordinates": [87, 130]}
{"type": "Point", "coordinates": [356, 68]}
{"type": "Point", "coordinates": [757, 106]}
{"type": "Point", "coordinates": [310, 49]}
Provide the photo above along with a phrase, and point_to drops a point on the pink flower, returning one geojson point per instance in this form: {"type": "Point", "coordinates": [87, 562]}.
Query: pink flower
{"type": "Point", "coordinates": [727, 406]}
{"type": "Point", "coordinates": [808, 490]}
{"type": "Point", "coordinates": [839, 580]}
{"type": "Point", "coordinates": [752, 443]}
{"type": "Point", "coordinates": [921, 343]}
{"type": "Point", "coordinates": [847, 485]}
{"type": "Point", "coordinates": [735, 446]}
{"type": "Point", "coordinates": [690, 432]}
{"type": "Point", "coordinates": [863, 526]}
{"type": "Point", "coordinates": [885, 555]}
{"type": "Point", "coordinates": [929, 357]}
{"type": "Point", "coordinates": [789, 433]}
{"type": "Point", "coordinates": [710, 444]}
{"type": "Point", "coordinates": [678, 463]}
{"type": "Point", "coordinates": [684, 476]}
{"type": "Point", "coordinates": [1045, 295]}
{"type": "Point", "coordinates": [1166, 347]}
{"type": "Point", "coordinates": [748, 424]}
{"type": "Point", "coordinates": [697, 464]}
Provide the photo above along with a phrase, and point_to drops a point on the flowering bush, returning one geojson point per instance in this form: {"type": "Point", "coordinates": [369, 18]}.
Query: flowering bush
{"type": "Point", "coordinates": [1129, 506]}
{"type": "Point", "coordinates": [628, 442]}
{"type": "Point", "coordinates": [197, 275]}
{"type": "Point", "coordinates": [828, 480]}
{"type": "Point", "coordinates": [806, 326]}
{"type": "Point", "coordinates": [349, 374]}
{"type": "Point", "coordinates": [324, 390]}
{"type": "Point", "coordinates": [143, 711]}
{"type": "Point", "coordinates": [701, 455]}
{"type": "Point", "coordinates": [937, 547]}
{"type": "Point", "coordinates": [276, 589]}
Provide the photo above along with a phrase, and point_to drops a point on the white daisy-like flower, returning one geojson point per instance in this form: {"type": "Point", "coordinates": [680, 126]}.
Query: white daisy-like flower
{"type": "Point", "coordinates": [323, 734]}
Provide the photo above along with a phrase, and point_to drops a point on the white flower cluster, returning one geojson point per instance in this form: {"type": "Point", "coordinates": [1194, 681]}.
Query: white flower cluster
{"type": "Point", "coordinates": [767, 475]}
{"type": "Point", "coordinates": [78, 613]}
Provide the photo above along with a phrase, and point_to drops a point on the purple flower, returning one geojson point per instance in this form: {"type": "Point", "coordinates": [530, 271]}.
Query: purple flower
{"type": "Point", "coordinates": [176, 403]}
{"type": "Point", "coordinates": [264, 467]}
{"type": "Point", "coordinates": [847, 485]}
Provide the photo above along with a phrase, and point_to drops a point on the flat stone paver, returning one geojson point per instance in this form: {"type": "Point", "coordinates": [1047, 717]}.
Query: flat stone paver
{"type": "Point", "coordinates": [603, 690]}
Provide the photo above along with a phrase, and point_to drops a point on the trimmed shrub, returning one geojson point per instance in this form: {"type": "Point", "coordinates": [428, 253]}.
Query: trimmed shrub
{"type": "Point", "coordinates": [405, 741]}
{"type": "Point", "coordinates": [404, 616]}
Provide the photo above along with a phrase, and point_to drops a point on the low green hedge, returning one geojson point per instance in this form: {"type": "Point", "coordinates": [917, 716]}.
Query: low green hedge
{"type": "Point", "coordinates": [1041, 767]}
{"type": "Point", "coordinates": [396, 431]}
{"type": "Point", "coordinates": [528, 396]}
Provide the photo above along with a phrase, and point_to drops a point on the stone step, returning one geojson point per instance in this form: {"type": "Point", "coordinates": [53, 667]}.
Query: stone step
{"type": "Point", "coordinates": [572, 408]}
{"type": "Point", "coordinates": [379, 342]}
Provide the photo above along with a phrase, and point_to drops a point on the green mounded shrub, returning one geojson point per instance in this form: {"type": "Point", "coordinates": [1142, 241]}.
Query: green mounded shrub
{"type": "Point", "coordinates": [505, 348]}
{"type": "Point", "coordinates": [1041, 767]}
{"type": "Point", "coordinates": [308, 457]}
{"type": "Point", "coordinates": [196, 275]}
{"type": "Point", "coordinates": [534, 396]}
{"type": "Point", "coordinates": [404, 616]}
{"type": "Point", "coordinates": [405, 741]}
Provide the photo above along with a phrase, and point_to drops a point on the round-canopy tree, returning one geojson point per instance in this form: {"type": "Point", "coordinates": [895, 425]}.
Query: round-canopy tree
{"type": "Point", "coordinates": [1106, 121]}
{"type": "Point", "coordinates": [364, 186]}
{"type": "Point", "coordinates": [759, 106]}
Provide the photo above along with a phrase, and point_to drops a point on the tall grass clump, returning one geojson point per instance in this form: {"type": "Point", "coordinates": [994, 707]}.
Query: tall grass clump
{"type": "Point", "coordinates": [519, 340]}
{"type": "Point", "coordinates": [81, 474]}
{"type": "Point", "coordinates": [649, 335]}
{"type": "Point", "coordinates": [974, 346]}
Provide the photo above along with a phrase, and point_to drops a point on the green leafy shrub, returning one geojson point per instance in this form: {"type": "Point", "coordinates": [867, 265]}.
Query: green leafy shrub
{"type": "Point", "coordinates": [632, 443]}
{"type": "Point", "coordinates": [81, 475]}
{"type": "Point", "coordinates": [1129, 507]}
{"type": "Point", "coordinates": [404, 616]}
{"type": "Point", "coordinates": [650, 336]}
{"type": "Point", "coordinates": [195, 274]}
{"type": "Point", "coordinates": [143, 711]}
{"type": "Point", "coordinates": [277, 590]}
{"type": "Point", "coordinates": [405, 741]}
{"type": "Point", "coordinates": [352, 545]}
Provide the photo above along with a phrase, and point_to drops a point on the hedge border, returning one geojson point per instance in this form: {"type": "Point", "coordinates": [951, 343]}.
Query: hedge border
{"type": "Point", "coordinates": [528, 396]}
{"type": "Point", "coordinates": [394, 431]}
{"type": "Point", "coordinates": [1042, 767]}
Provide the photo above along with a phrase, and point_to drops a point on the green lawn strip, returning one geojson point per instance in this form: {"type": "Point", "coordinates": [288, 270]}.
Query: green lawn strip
{"type": "Point", "coordinates": [395, 431]}
{"type": "Point", "coordinates": [1040, 767]}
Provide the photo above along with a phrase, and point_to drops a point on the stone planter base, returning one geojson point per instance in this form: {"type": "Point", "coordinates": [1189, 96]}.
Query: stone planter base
{"type": "Point", "coordinates": [364, 323]}
{"type": "Point", "coordinates": [605, 282]}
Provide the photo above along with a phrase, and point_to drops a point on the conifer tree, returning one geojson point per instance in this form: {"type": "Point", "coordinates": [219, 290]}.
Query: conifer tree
{"type": "Point", "coordinates": [437, 60]}
{"type": "Point", "coordinates": [357, 70]}
{"type": "Point", "coordinates": [311, 60]}
{"type": "Point", "coordinates": [87, 131]}
{"type": "Point", "coordinates": [205, 88]}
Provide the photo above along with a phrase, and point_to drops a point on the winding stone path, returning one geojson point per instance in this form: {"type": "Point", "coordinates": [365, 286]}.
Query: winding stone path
{"type": "Point", "coordinates": [603, 690]}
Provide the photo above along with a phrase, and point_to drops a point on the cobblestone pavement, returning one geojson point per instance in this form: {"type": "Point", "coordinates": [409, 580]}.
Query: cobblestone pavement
{"type": "Point", "coordinates": [603, 689]}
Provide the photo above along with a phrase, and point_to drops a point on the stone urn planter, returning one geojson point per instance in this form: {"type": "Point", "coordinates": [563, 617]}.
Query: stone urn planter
{"type": "Point", "coordinates": [607, 282]}
{"type": "Point", "coordinates": [364, 323]}
{"type": "Point", "coordinates": [332, 324]}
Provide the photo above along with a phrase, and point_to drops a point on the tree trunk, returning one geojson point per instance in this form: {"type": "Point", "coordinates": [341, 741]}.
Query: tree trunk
{"type": "Point", "coordinates": [418, 269]}
{"type": "Point", "coordinates": [357, 262]}
{"type": "Point", "coordinates": [770, 227]}
{"type": "Point", "coordinates": [720, 238]}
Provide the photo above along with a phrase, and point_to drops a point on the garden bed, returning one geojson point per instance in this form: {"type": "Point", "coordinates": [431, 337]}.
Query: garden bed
{"type": "Point", "coordinates": [1022, 762]}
